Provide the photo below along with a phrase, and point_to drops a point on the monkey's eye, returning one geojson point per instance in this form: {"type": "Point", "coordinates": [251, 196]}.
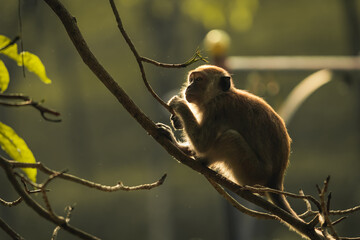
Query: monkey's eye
{"type": "Point", "coordinates": [198, 79]}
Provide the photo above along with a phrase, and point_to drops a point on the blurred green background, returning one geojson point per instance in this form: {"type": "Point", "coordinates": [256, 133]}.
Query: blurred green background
{"type": "Point", "coordinates": [99, 141]}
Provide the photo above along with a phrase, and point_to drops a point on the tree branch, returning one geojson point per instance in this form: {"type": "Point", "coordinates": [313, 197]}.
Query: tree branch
{"type": "Point", "coordinates": [68, 210]}
{"type": "Point", "coordinates": [75, 179]}
{"type": "Point", "coordinates": [261, 189]}
{"type": "Point", "coordinates": [11, 232]}
{"type": "Point", "coordinates": [196, 57]}
{"type": "Point", "coordinates": [59, 221]}
{"type": "Point", "coordinates": [11, 204]}
{"type": "Point", "coordinates": [27, 101]}
{"type": "Point", "coordinates": [137, 56]}
{"type": "Point", "coordinates": [9, 167]}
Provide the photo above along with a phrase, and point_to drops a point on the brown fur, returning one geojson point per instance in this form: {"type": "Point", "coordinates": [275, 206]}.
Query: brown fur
{"type": "Point", "coordinates": [233, 129]}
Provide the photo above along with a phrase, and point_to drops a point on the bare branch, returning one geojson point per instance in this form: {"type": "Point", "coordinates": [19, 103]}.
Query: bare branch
{"type": "Point", "coordinates": [27, 101]}
{"type": "Point", "coordinates": [325, 206]}
{"type": "Point", "coordinates": [11, 204]}
{"type": "Point", "coordinates": [338, 221]}
{"type": "Point", "coordinates": [44, 195]}
{"type": "Point", "coordinates": [137, 56]}
{"type": "Point", "coordinates": [195, 58]}
{"type": "Point", "coordinates": [17, 201]}
{"type": "Point", "coordinates": [72, 178]}
{"type": "Point", "coordinates": [68, 211]}
{"type": "Point", "coordinates": [59, 221]}
{"type": "Point", "coordinates": [143, 186]}
{"type": "Point", "coordinates": [262, 189]}
{"type": "Point", "coordinates": [11, 232]}
{"type": "Point", "coordinates": [346, 211]}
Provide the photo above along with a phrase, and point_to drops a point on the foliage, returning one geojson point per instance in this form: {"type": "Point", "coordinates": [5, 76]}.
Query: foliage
{"type": "Point", "coordinates": [26, 59]}
{"type": "Point", "coordinates": [17, 149]}
{"type": "Point", "coordinates": [10, 142]}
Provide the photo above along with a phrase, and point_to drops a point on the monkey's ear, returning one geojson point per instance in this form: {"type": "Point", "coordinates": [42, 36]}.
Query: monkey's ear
{"type": "Point", "coordinates": [225, 83]}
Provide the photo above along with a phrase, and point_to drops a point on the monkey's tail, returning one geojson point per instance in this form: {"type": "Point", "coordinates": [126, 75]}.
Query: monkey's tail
{"type": "Point", "coordinates": [280, 199]}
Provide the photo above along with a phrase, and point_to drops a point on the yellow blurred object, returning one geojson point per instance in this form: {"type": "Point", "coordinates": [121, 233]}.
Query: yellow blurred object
{"type": "Point", "coordinates": [217, 42]}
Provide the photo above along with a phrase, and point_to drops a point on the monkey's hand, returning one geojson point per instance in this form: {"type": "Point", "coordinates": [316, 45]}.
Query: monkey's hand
{"type": "Point", "coordinates": [176, 122]}
{"type": "Point", "coordinates": [175, 102]}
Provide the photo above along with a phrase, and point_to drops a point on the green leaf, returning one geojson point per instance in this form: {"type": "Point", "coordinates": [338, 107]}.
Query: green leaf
{"type": "Point", "coordinates": [17, 149]}
{"type": "Point", "coordinates": [10, 51]}
{"type": "Point", "coordinates": [30, 60]}
{"type": "Point", "coordinates": [4, 77]}
{"type": "Point", "coordinates": [33, 64]}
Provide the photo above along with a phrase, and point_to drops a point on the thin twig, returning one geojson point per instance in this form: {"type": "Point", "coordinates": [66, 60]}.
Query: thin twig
{"type": "Point", "coordinates": [11, 204]}
{"type": "Point", "coordinates": [309, 212]}
{"type": "Point", "coordinates": [43, 191]}
{"type": "Point", "coordinates": [271, 190]}
{"type": "Point", "coordinates": [17, 201]}
{"type": "Point", "coordinates": [346, 211]}
{"type": "Point", "coordinates": [307, 202]}
{"type": "Point", "coordinates": [10, 43]}
{"type": "Point", "coordinates": [27, 101]}
{"type": "Point", "coordinates": [338, 221]}
{"type": "Point", "coordinates": [137, 56]}
{"type": "Point", "coordinates": [196, 57]}
{"type": "Point", "coordinates": [332, 212]}
{"type": "Point", "coordinates": [68, 211]}
{"type": "Point", "coordinates": [325, 206]}
{"type": "Point", "coordinates": [11, 232]}
{"type": "Point", "coordinates": [143, 186]}
{"type": "Point", "coordinates": [72, 178]}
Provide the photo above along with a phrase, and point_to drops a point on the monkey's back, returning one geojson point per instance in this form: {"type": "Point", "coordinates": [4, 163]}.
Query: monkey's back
{"type": "Point", "coordinates": [259, 124]}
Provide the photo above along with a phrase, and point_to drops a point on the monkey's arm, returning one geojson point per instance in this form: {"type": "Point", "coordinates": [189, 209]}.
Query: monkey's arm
{"type": "Point", "coordinates": [199, 135]}
{"type": "Point", "coordinates": [175, 121]}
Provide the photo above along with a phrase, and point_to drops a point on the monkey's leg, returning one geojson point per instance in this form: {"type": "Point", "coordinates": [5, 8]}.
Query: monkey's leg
{"type": "Point", "coordinates": [246, 168]}
{"type": "Point", "coordinates": [176, 122]}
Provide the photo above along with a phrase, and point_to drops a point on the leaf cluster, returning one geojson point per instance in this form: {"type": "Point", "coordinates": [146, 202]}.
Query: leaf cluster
{"type": "Point", "coordinates": [10, 141]}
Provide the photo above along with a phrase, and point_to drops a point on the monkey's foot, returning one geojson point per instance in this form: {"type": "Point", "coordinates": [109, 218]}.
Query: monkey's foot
{"type": "Point", "coordinates": [204, 161]}
{"type": "Point", "coordinates": [187, 150]}
{"type": "Point", "coordinates": [166, 131]}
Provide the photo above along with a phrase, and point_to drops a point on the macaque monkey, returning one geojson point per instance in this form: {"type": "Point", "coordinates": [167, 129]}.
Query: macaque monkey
{"type": "Point", "coordinates": [231, 130]}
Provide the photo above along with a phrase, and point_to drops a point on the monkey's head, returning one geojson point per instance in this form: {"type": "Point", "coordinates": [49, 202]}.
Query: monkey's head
{"type": "Point", "coordinates": [206, 82]}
